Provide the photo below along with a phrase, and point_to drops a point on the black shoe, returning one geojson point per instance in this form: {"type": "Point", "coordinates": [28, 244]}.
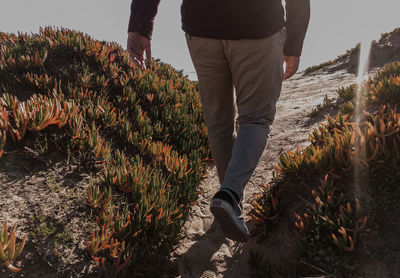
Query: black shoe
{"type": "Point", "coordinates": [226, 209]}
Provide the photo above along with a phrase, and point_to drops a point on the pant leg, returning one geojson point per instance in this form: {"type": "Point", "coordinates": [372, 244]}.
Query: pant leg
{"type": "Point", "coordinates": [216, 93]}
{"type": "Point", "coordinates": [257, 73]}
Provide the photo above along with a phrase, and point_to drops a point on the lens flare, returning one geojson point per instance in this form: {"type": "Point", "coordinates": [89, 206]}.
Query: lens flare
{"type": "Point", "coordinates": [360, 147]}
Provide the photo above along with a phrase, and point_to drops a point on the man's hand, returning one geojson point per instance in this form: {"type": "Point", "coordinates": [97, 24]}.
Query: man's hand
{"type": "Point", "coordinates": [292, 65]}
{"type": "Point", "coordinates": [137, 46]}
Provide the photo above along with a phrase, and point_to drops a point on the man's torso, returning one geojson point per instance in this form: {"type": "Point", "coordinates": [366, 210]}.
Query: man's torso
{"type": "Point", "coordinates": [232, 19]}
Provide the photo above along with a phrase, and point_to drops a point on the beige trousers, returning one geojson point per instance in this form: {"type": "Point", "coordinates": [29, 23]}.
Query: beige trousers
{"type": "Point", "coordinates": [252, 69]}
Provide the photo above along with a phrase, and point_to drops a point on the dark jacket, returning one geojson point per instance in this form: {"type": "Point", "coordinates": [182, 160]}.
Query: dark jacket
{"type": "Point", "coordinates": [232, 19]}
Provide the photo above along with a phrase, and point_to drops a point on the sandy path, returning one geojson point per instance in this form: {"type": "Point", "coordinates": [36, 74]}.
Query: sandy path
{"type": "Point", "coordinates": [204, 252]}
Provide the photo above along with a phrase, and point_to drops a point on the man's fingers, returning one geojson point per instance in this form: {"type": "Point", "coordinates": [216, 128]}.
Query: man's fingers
{"type": "Point", "coordinates": [286, 76]}
{"type": "Point", "coordinates": [148, 53]}
{"type": "Point", "coordinates": [138, 46]}
{"type": "Point", "coordinates": [139, 61]}
{"type": "Point", "coordinates": [289, 72]}
{"type": "Point", "coordinates": [131, 53]}
{"type": "Point", "coordinates": [131, 50]}
{"type": "Point", "coordinates": [292, 65]}
{"type": "Point", "coordinates": [136, 58]}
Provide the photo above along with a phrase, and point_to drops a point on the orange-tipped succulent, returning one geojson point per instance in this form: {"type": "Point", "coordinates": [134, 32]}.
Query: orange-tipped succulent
{"type": "Point", "coordinates": [9, 250]}
{"type": "Point", "coordinates": [145, 126]}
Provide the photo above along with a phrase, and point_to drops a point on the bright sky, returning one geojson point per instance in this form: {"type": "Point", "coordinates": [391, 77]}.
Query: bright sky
{"type": "Point", "coordinates": [335, 26]}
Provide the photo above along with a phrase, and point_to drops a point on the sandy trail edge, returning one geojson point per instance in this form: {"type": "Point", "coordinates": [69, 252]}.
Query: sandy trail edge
{"type": "Point", "coordinates": [204, 252]}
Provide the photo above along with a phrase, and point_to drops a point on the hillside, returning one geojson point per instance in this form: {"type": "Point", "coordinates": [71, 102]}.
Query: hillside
{"type": "Point", "coordinates": [100, 161]}
{"type": "Point", "coordinates": [383, 51]}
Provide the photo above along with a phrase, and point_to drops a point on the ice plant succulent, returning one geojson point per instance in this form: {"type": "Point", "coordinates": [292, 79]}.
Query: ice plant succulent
{"type": "Point", "coordinates": [143, 127]}
{"type": "Point", "coordinates": [9, 249]}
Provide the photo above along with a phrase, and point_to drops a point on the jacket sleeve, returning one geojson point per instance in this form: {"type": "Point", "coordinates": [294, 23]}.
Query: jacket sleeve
{"type": "Point", "coordinates": [142, 17]}
{"type": "Point", "coordinates": [297, 18]}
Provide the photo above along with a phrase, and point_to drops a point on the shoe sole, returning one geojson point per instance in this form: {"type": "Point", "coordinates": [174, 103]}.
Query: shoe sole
{"type": "Point", "coordinates": [223, 212]}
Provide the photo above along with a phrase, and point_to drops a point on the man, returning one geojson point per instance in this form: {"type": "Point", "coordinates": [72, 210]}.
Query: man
{"type": "Point", "coordinates": [236, 47]}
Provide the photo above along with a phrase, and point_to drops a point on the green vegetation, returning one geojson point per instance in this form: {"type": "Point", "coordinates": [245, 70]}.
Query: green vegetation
{"type": "Point", "coordinates": [382, 89]}
{"type": "Point", "coordinates": [327, 103]}
{"type": "Point", "coordinates": [142, 129]}
{"type": "Point", "coordinates": [44, 228]}
{"type": "Point", "coordinates": [330, 225]}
